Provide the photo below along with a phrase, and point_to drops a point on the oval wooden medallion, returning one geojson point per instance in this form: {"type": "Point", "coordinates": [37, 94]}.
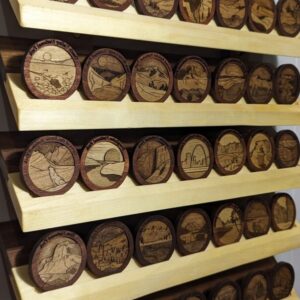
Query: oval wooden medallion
{"type": "Point", "coordinates": [192, 80]}
{"type": "Point", "coordinates": [259, 88]}
{"type": "Point", "coordinates": [52, 70]}
{"type": "Point", "coordinates": [282, 281]}
{"type": "Point", "coordinates": [192, 296]}
{"type": "Point", "coordinates": [256, 286]}
{"type": "Point", "coordinates": [161, 9]}
{"type": "Point", "coordinates": [260, 151]}
{"type": "Point", "coordinates": [227, 225]}
{"type": "Point", "coordinates": [287, 149]}
{"type": "Point", "coordinates": [257, 218]}
{"type": "Point", "coordinates": [231, 13]}
{"type": "Point", "coordinates": [283, 211]}
{"type": "Point", "coordinates": [109, 248]}
{"type": "Point", "coordinates": [104, 163]}
{"type": "Point", "coordinates": [154, 241]}
{"type": "Point", "coordinates": [153, 160]}
{"type": "Point", "coordinates": [151, 78]}
{"type": "Point", "coordinates": [119, 5]}
{"type": "Point", "coordinates": [230, 152]}
{"type": "Point", "coordinates": [195, 157]}
{"type": "Point", "coordinates": [286, 84]}
{"type": "Point", "coordinates": [288, 17]}
{"type": "Point", "coordinates": [262, 15]}
{"type": "Point", "coordinates": [106, 76]}
{"type": "Point", "coordinates": [227, 289]}
{"type": "Point", "coordinates": [197, 11]}
{"type": "Point", "coordinates": [50, 166]}
{"type": "Point", "coordinates": [57, 260]}
{"type": "Point", "coordinates": [229, 81]}
{"type": "Point", "coordinates": [193, 231]}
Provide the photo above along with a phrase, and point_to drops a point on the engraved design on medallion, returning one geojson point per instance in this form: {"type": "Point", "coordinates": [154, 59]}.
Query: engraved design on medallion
{"type": "Point", "coordinates": [288, 150]}
{"type": "Point", "coordinates": [262, 14]}
{"type": "Point", "coordinates": [227, 292]}
{"type": "Point", "coordinates": [288, 85]}
{"type": "Point", "coordinates": [232, 12]}
{"type": "Point", "coordinates": [257, 288]}
{"type": "Point", "coordinates": [283, 212]}
{"type": "Point", "coordinates": [283, 281]}
{"type": "Point", "coordinates": [289, 16]}
{"type": "Point", "coordinates": [199, 11]}
{"type": "Point", "coordinates": [111, 4]}
{"type": "Point", "coordinates": [158, 8]}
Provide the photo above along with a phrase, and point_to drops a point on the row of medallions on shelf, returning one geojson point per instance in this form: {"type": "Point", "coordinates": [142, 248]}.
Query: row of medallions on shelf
{"type": "Point", "coordinates": [273, 283]}
{"type": "Point", "coordinates": [260, 16]}
{"type": "Point", "coordinates": [152, 239]}
{"type": "Point", "coordinates": [50, 165]}
{"type": "Point", "coordinates": [52, 70]}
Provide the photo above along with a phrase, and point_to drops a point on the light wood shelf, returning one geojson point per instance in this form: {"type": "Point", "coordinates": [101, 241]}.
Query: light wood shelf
{"type": "Point", "coordinates": [79, 205]}
{"type": "Point", "coordinates": [81, 18]}
{"type": "Point", "coordinates": [135, 281]}
{"type": "Point", "coordinates": [77, 113]}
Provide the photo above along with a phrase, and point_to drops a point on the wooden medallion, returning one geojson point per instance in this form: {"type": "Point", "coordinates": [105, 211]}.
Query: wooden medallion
{"type": "Point", "coordinates": [52, 70]}
{"type": "Point", "coordinates": [197, 11]}
{"type": "Point", "coordinates": [259, 88]}
{"type": "Point", "coordinates": [256, 286]}
{"type": "Point", "coordinates": [283, 211]}
{"type": "Point", "coordinates": [288, 17]}
{"type": "Point", "coordinates": [119, 5]}
{"type": "Point", "coordinates": [192, 80]}
{"type": "Point", "coordinates": [230, 152]}
{"type": "Point", "coordinates": [287, 149]}
{"type": "Point", "coordinates": [192, 296]}
{"type": "Point", "coordinates": [153, 160]}
{"type": "Point", "coordinates": [66, 1]}
{"type": "Point", "coordinates": [260, 151]}
{"type": "Point", "coordinates": [262, 15]}
{"type": "Point", "coordinates": [109, 248]}
{"type": "Point", "coordinates": [257, 219]}
{"type": "Point", "coordinates": [50, 166]}
{"type": "Point", "coordinates": [195, 157]}
{"type": "Point", "coordinates": [57, 260]}
{"type": "Point", "coordinates": [229, 81]}
{"type": "Point", "coordinates": [106, 76]}
{"type": "Point", "coordinates": [104, 163]}
{"type": "Point", "coordinates": [160, 9]}
{"type": "Point", "coordinates": [154, 241]}
{"type": "Point", "coordinates": [227, 225]}
{"type": "Point", "coordinates": [226, 290]}
{"type": "Point", "coordinates": [152, 78]}
{"type": "Point", "coordinates": [282, 281]}
{"type": "Point", "coordinates": [286, 84]}
{"type": "Point", "coordinates": [193, 231]}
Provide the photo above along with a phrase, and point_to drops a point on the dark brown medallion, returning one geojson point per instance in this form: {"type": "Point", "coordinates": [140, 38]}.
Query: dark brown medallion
{"type": "Point", "coordinates": [192, 80]}
{"type": "Point", "coordinates": [282, 281]}
{"type": "Point", "coordinates": [287, 149]}
{"type": "Point", "coordinates": [226, 290]}
{"type": "Point", "coordinates": [283, 212]}
{"type": "Point", "coordinates": [257, 218]}
{"type": "Point", "coordinates": [229, 81]}
{"type": "Point", "coordinates": [66, 1]}
{"type": "Point", "coordinates": [259, 88]}
{"type": "Point", "coordinates": [50, 166]}
{"type": "Point", "coordinates": [227, 225]}
{"type": "Point", "coordinates": [286, 84]}
{"type": "Point", "coordinates": [57, 260]}
{"type": "Point", "coordinates": [109, 248]}
{"type": "Point", "coordinates": [260, 151]}
{"type": "Point", "coordinates": [160, 9]}
{"type": "Point", "coordinates": [230, 152]}
{"type": "Point", "coordinates": [154, 241]}
{"type": "Point", "coordinates": [153, 160]}
{"type": "Point", "coordinates": [197, 11]}
{"type": "Point", "coordinates": [256, 286]}
{"type": "Point", "coordinates": [119, 5]}
{"type": "Point", "coordinates": [192, 296]}
{"type": "Point", "coordinates": [262, 15]}
{"type": "Point", "coordinates": [288, 17]}
{"type": "Point", "coordinates": [151, 78]}
{"type": "Point", "coordinates": [193, 231]}
{"type": "Point", "coordinates": [195, 157]}
{"type": "Point", "coordinates": [104, 163]}
{"type": "Point", "coordinates": [52, 70]}
{"type": "Point", "coordinates": [231, 13]}
{"type": "Point", "coordinates": [106, 76]}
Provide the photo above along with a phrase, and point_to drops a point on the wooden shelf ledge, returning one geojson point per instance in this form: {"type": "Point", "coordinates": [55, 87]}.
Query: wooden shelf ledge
{"type": "Point", "coordinates": [163, 275]}
{"type": "Point", "coordinates": [77, 113]}
{"type": "Point", "coordinates": [36, 213]}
